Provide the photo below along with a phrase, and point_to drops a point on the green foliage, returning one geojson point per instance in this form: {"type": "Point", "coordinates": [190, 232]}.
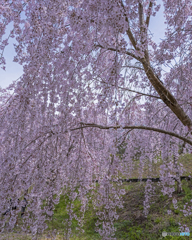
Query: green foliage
{"type": "Point", "coordinates": [172, 222]}
{"type": "Point", "coordinates": [126, 230]}
{"type": "Point", "coordinates": [157, 220]}
{"type": "Point", "coordinates": [187, 190]}
{"type": "Point", "coordinates": [61, 216]}
{"type": "Point", "coordinates": [141, 207]}
{"type": "Point", "coordinates": [176, 211]}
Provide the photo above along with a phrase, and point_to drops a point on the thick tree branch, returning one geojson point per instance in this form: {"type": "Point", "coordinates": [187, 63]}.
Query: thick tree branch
{"type": "Point", "coordinates": [87, 125]}
{"type": "Point", "coordinates": [163, 92]}
{"type": "Point", "coordinates": [141, 18]}
{"type": "Point", "coordinates": [143, 31]}
{"type": "Point", "coordinates": [148, 16]}
{"type": "Point", "coordinates": [165, 95]}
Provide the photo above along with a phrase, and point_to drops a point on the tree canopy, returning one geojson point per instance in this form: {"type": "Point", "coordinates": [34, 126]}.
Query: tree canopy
{"type": "Point", "coordinates": [93, 81]}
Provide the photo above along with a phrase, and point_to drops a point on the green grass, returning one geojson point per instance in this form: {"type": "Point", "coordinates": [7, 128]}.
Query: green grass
{"type": "Point", "coordinates": [132, 224]}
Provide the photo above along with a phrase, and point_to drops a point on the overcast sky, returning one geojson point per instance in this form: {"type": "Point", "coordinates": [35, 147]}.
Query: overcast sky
{"type": "Point", "coordinates": [14, 70]}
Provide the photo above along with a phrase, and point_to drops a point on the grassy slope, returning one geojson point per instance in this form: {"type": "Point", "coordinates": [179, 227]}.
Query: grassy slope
{"type": "Point", "coordinates": [131, 223]}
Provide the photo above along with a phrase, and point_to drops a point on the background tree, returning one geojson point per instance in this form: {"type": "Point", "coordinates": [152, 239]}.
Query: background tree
{"type": "Point", "coordinates": [87, 65]}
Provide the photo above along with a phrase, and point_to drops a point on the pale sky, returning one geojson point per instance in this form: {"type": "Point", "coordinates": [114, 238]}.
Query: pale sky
{"type": "Point", "coordinates": [14, 70]}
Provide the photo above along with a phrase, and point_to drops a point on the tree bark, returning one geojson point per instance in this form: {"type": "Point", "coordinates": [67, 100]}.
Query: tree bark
{"type": "Point", "coordinates": [166, 96]}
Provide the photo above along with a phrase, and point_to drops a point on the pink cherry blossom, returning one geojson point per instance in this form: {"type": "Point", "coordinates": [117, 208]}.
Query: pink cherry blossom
{"type": "Point", "coordinates": [93, 98]}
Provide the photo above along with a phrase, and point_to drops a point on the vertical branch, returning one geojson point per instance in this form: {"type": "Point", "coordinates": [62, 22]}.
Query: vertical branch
{"type": "Point", "coordinates": [143, 31]}
{"type": "Point", "coordinates": [149, 14]}
{"type": "Point", "coordinates": [129, 33]}
{"type": "Point", "coordinates": [141, 18]}
{"type": "Point", "coordinates": [147, 25]}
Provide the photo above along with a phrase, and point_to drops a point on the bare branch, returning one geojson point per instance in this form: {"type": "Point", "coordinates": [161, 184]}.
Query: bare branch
{"type": "Point", "coordinates": [141, 18]}
{"type": "Point", "coordinates": [86, 125]}
{"type": "Point", "coordinates": [148, 17]}
{"type": "Point", "coordinates": [127, 89]}
{"type": "Point", "coordinates": [144, 94]}
{"type": "Point", "coordinates": [129, 33]}
{"type": "Point", "coordinates": [116, 50]}
{"type": "Point", "coordinates": [129, 66]}
{"type": "Point", "coordinates": [143, 31]}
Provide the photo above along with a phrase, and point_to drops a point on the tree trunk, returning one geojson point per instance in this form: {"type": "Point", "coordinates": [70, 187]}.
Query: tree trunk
{"type": "Point", "coordinates": [166, 96]}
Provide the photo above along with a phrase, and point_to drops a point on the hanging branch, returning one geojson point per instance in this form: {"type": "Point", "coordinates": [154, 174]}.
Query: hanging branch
{"type": "Point", "coordinates": [86, 125]}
